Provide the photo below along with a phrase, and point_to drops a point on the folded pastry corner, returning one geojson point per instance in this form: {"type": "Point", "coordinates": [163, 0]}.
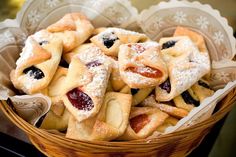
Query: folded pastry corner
{"type": "Point", "coordinates": [167, 107]}
{"type": "Point", "coordinates": [108, 124]}
{"type": "Point", "coordinates": [86, 83]}
{"type": "Point", "coordinates": [143, 121]}
{"type": "Point", "coordinates": [184, 61]}
{"type": "Point", "coordinates": [37, 63]}
{"type": "Point", "coordinates": [73, 29]}
{"type": "Point", "coordinates": [141, 65]}
{"type": "Point", "coordinates": [110, 39]}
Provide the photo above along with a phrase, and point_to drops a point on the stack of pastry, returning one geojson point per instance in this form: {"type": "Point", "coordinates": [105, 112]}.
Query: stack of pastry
{"type": "Point", "coordinates": [110, 83]}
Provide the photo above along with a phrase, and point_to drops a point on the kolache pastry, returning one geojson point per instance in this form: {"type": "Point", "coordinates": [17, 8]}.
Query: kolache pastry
{"type": "Point", "coordinates": [110, 83]}
{"type": "Point", "coordinates": [37, 63]}
{"type": "Point", "coordinates": [167, 107]}
{"type": "Point", "coordinates": [73, 29]}
{"type": "Point", "coordinates": [143, 121]}
{"type": "Point", "coordinates": [110, 123]}
{"type": "Point", "coordinates": [86, 83]}
{"type": "Point", "coordinates": [184, 60]}
{"type": "Point", "coordinates": [141, 65]}
{"type": "Point", "coordinates": [110, 39]}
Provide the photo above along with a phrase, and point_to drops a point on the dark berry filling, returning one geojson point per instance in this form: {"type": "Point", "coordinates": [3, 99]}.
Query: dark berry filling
{"type": "Point", "coordinates": [189, 99]}
{"type": "Point", "coordinates": [134, 91]}
{"type": "Point", "coordinates": [166, 86]}
{"type": "Point", "coordinates": [109, 40]}
{"type": "Point", "coordinates": [80, 100]}
{"type": "Point", "coordinates": [34, 72]}
{"type": "Point", "coordinates": [146, 71]}
{"type": "Point", "coordinates": [93, 64]}
{"type": "Point", "coordinates": [43, 42]}
{"type": "Point", "coordinates": [138, 123]}
{"type": "Point", "coordinates": [203, 84]}
{"type": "Point", "coordinates": [168, 44]}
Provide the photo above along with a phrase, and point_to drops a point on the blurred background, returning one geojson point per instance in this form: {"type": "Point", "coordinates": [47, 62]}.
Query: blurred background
{"type": "Point", "coordinates": [222, 137]}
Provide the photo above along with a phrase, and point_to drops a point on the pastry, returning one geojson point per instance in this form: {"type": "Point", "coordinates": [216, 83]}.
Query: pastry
{"type": "Point", "coordinates": [55, 122]}
{"type": "Point", "coordinates": [140, 94]}
{"type": "Point", "coordinates": [202, 90]}
{"type": "Point", "coordinates": [73, 29]}
{"type": "Point", "coordinates": [116, 80]}
{"type": "Point", "coordinates": [194, 96]}
{"type": "Point", "coordinates": [55, 91]}
{"type": "Point", "coordinates": [105, 126]}
{"type": "Point", "coordinates": [86, 83]}
{"type": "Point", "coordinates": [170, 121]}
{"type": "Point", "coordinates": [37, 63]}
{"type": "Point", "coordinates": [68, 56]}
{"type": "Point", "coordinates": [165, 107]}
{"type": "Point", "coordinates": [197, 39]}
{"type": "Point", "coordinates": [110, 39]}
{"type": "Point", "coordinates": [143, 121]}
{"type": "Point", "coordinates": [184, 61]}
{"type": "Point", "coordinates": [141, 65]}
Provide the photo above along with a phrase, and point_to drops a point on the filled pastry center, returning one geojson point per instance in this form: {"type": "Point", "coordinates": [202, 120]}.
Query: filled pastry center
{"type": "Point", "coordinates": [146, 71]}
{"type": "Point", "coordinates": [166, 86]}
{"type": "Point", "coordinates": [169, 44]}
{"type": "Point", "coordinates": [109, 39]}
{"type": "Point", "coordinates": [34, 72]}
{"type": "Point", "coordinates": [80, 100]}
{"type": "Point", "coordinates": [93, 64]}
{"type": "Point", "coordinates": [44, 42]}
{"type": "Point", "coordinates": [189, 99]}
{"type": "Point", "coordinates": [138, 123]}
{"type": "Point", "coordinates": [134, 91]}
{"type": "Point", "coordinates": [137, 48]}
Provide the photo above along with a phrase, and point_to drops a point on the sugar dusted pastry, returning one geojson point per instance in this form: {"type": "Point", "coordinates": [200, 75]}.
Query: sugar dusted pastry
{"type": "Point", "coordinates": [37, 63]}
{"type": "Point", "coordinates": [73, 29]}
{"type": "Point", "coordinates": [143, 121]}
{"type": "Point", "coordinates": [110, 123]}
{"type": "Point", "coordinates": [140, 94]}
{"type": "Point", "coordinates": [110, 39]}
{"type": "Point", "coordinates": [68, 56]}
{"type": "Point", "coordinates": [86, 83]}
{"type": "Point", "coordinates": [116, 80]}
{"type": "Point", "coordinates": [186, 65]}
{"type": "Point", "coordinates": [165, 107]}
{"type": "Point", "coordinates": [55, 90]}
{"type": "Point", "coordinates": [141, 65]}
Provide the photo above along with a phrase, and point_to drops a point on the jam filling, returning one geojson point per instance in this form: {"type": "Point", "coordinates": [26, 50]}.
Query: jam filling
{"type": "Point", "coordinates": [166, 86]}
{"type": "Point", "coordinates": [134, 91]}
{"type": "Point", "coordinates": [203, 84]}
{"type": "Point", "coordinates": [93, 64]}
{"type": "Point", "coordinates": [189, 99]}
{"type": "Point", "coordinates": [137, 48]}
{"type": "Point", "coordinates": [34, 72]}
{"type": "Point", "coordinates": [138, 123]}
{"type": "Point", "coordinates": [146, 71]}
{"type": "Point", "coordinates": [109, 41]}
{"type": "Point", "coordinates": [168, 44]}
{"type": "Point", "coordinates": [80, 100]}
{"type": "Point", "coordinates": [43, 42]}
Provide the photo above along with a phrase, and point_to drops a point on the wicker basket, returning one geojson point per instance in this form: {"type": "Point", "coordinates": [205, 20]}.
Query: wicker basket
{"type": "Point", "coordinates": [179, 143]}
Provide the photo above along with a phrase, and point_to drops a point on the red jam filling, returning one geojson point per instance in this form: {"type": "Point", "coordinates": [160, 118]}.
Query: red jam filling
{"type": "Point", "coordinates": [137, 48]}
{"type": "Point", "coordinates": [146, 71]}
{"type": "Point", "coordinates": [137, 123]}
{"type": "Point", "coordinates": [80, 100]}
